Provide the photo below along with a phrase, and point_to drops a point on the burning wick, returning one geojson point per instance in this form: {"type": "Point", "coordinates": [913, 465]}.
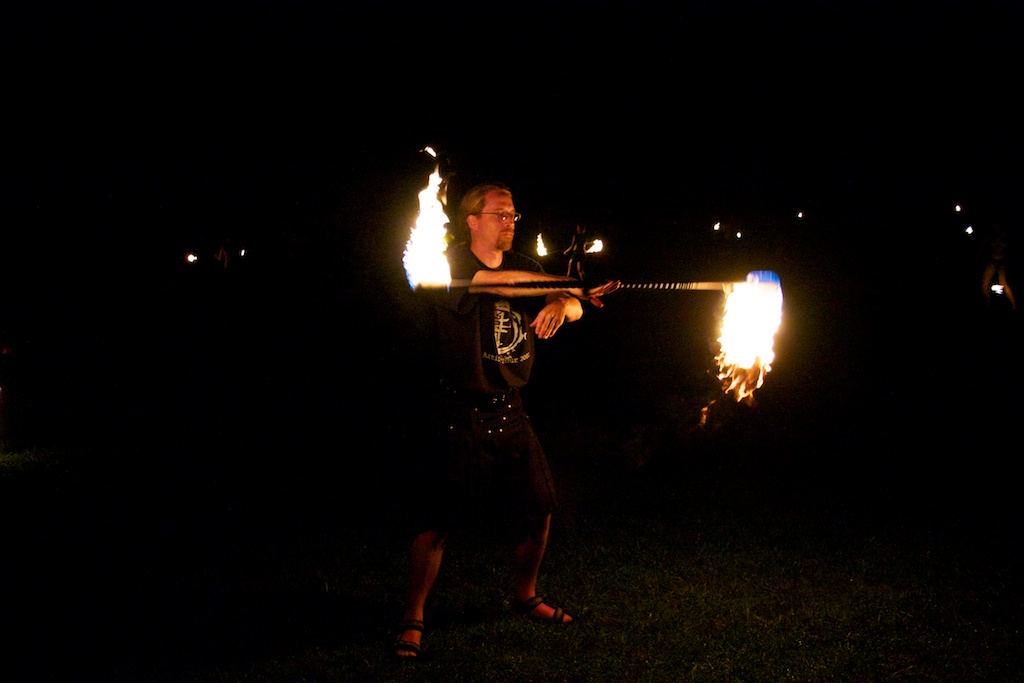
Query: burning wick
{"type": "Point", "coordinates": [753, 313]}
{"type": "Point", "coordinates": [425, 263]}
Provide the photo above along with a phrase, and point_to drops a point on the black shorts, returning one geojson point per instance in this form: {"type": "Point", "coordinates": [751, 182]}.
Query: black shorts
{"type": "Point", "coordinates": [485, 463]}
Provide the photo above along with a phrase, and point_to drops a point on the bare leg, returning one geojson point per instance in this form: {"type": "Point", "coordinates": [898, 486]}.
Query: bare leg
{"type": "Point", "coordinates": [424, 563]}
{"type": "Point", "coordinates": [1006, 288]}
{"type": "Point", "coordinates": [528, 556]}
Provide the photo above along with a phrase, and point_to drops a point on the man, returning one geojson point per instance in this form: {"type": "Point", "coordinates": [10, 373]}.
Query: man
{"type": "Point", "coordinates": [995, 250]}
{"type": "Point", "coordinates": [488, 460]}
{"type": "Point", "coordinates": [577, 253]}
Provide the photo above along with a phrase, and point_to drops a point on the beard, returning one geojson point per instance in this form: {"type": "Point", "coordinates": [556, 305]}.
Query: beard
{"type": "Point", "coordinates": [504, 242]}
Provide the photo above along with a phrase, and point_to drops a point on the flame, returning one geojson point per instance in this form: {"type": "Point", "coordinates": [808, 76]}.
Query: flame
{"type": "Point", "coordinates": [425, 263]}
{"type": "Point", "coordinates": [541, 249]}
{"type": "Point", "coordinates": [753, 313]}
{"type": "Point", "coordinates": [596, 245]}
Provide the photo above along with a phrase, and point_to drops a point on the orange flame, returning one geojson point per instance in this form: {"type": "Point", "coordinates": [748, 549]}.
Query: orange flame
{"type": "Point", "coordinates": [424, 259]}
{"type": "Point", "coordinates": [753, 314]}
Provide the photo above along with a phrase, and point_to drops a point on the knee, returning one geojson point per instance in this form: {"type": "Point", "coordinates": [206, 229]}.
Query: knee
{"type": "Point", "coordinates": [431, 539]}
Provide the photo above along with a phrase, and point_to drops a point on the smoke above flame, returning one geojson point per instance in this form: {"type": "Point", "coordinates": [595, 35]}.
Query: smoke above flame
{"type": "Point", "coordinates": [424, 259]}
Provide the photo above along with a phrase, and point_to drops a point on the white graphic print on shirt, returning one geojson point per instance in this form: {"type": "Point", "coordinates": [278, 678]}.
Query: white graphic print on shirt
{"type": "Point", "coordinates": [509, 333]}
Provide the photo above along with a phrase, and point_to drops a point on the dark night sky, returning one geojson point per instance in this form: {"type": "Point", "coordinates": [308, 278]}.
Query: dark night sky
{"type": "Point", "coordinates": [294, 129]}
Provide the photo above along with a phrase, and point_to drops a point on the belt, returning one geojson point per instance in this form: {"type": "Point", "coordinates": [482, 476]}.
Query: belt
{"type": "Point", "coordinates": [483, 401]}
{"type": "Point", "coordinates": [494, 400]}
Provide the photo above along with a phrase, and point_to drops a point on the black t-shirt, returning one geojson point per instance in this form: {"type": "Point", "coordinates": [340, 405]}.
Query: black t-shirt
{"type": "Point", "coordinates": [486, 343]}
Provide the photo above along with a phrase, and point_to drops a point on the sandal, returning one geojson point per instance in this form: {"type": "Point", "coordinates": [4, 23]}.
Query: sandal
{"type": "Point", "coordinates": [527, 607]}
{"type": "Point", "coordinates": [407, 649]}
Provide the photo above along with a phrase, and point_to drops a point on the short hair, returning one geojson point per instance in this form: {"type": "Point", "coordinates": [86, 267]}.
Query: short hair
{"type": "Point", "coordinates": [472, 203]}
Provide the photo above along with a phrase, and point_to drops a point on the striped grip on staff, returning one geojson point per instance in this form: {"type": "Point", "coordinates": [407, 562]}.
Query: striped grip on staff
{"type": "Point", "coordinates": [676, 285]}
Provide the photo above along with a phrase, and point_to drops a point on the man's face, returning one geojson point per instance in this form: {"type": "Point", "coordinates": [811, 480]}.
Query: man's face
{"type": "Point", "coordinates": [491, 232]}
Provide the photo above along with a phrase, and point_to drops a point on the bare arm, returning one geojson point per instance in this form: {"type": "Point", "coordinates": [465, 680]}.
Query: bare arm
{"type": "Point", "coordinates": [503, 283]}
{"type": "Point", "coordinates": [498, 281]}
{"type": "Point", "coordinates": [560, 309]}
{"type": "Point", "coordinates": [563, 303]}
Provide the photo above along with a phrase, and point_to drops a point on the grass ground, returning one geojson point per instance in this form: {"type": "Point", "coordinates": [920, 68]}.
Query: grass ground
{"type": "Point", "coordinates": [168, 569]}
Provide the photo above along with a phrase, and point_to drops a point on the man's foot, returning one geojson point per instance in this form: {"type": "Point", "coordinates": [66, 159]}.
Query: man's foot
{"type": "Point", "coordinates": [535, 608]}
{"type": "Point", "coordinates": [410, 634]}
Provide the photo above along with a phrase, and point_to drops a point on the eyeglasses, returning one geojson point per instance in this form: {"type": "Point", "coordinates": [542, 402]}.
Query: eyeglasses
{"type": "Point", "coordinates": [504, 216]}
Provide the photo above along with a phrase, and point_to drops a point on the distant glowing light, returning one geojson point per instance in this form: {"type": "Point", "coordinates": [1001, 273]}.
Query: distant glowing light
{"type": "Point", "coordinates": [969, 230]}
{"type": "Point", "coordinates": [431, 151]}
{"type": "Point", "coordinates": [997, 288]}
{"type": "Point", "coordinates": [739, 234]}
{"type": "Point", "coordinates": [541, 249]}
{"type": "Point", "coordinates": [958, 208]}
{"type": "Point", "coordinates": [241, 252]}
{"type": "Point", "coordinates": [718, 226]}
{"type": "Point", "coordinates": [799, 214]}
{"type": "Point", "coordinates": [191, 257]}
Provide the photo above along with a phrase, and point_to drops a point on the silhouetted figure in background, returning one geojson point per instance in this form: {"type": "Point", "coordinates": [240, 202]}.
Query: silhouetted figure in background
{"type": "Point", "coordinates": [577, 252]}
{"type": "Point", "coordinates": [222, 255]}
{"type": "Point", "coordinates": [995, 250]}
